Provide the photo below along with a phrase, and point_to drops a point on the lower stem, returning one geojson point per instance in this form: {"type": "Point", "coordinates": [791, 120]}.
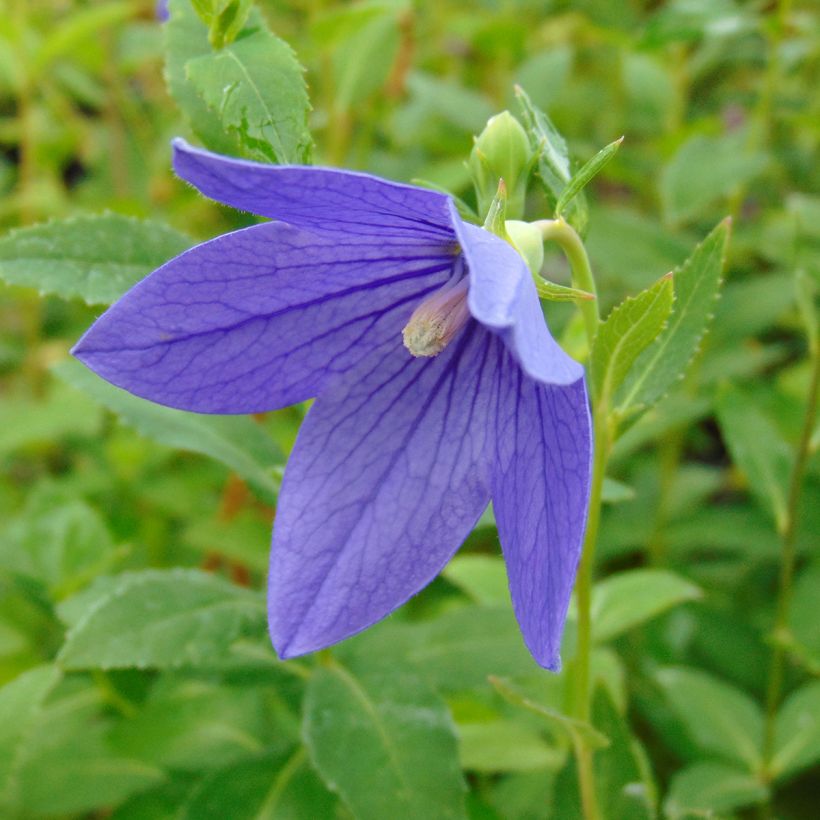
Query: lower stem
{"type": "Point", "coordinates": [788, 559]}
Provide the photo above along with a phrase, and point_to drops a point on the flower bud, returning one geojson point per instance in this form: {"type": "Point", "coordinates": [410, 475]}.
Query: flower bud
{"type": "Point", "coordinates": [501, 151]}
{"type": "Point", "coordinates": [528, 241]}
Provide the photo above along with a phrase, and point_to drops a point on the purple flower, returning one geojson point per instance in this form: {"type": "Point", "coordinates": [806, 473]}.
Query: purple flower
{"type": "Point", "coordinates": [438, 386]}
{"type": "Point", "coordinates": [162, 12]}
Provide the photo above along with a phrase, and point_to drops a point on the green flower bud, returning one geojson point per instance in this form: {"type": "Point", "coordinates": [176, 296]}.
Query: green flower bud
{"type": "Point", "coordinates": [501, 151]}
{"type": "Point", "coordinates": [527, 240]}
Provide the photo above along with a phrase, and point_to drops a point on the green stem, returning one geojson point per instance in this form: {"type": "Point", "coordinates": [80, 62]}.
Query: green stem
{"type": "Point", "coordinates": [560, 231]}
{"type": "Point", "coordinates": [788, 557]}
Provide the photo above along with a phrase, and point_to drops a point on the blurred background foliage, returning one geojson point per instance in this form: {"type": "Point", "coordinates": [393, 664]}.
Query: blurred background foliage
{"type": "Point", "coordinates": [719, 106]}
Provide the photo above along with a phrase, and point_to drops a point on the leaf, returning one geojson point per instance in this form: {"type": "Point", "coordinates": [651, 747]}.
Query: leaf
{"type": "Point", "coordinates": [236, 441]}
{"type": "Point", "coordinates": [797, 732]}
{"type": "Point", "coordinates": [20, 702]}
{"type": "Point", "coordinates": [553, 165]}
{"type": "Point", "coordinates": [482, 577]}
{"type": "Point", "coordinates": [757, 449]}
{"type": "Point", "coordinates": [576, 730]}
{"type": "Point", "coordinates": [628, 599]}
{"type": "Point", "coordinates": [712, 786]}
{"type": "Point", "coordinates": [704, 170]}
{"type": "Point", "coordinates": [256, 87]}
{"type": "Point", "coordinates": [186, 38]}
{"type": "Point", "coordinates": [696, 287]}
{"type": "Point", "coordinates": [628, 330]}
{"type": "Point", "coordinates": [385, 742]}
{"type": "Point", "coordinates": [588, 171]}
{"type": "Point", "coordinates": [718, 717]}
{"type": "Point", "coordinates": [194, 725]}
{"type": "Point", "coordinates": [803, 620]}
{"type": "Point", "coordinates": [263, 788]}
{"type": "Point", "coordinates": [456, 651]}
{"type": "Point", "coordinates": [95, 258]}
{"type": "Point", "coordinates": [161, 619]}
{"type": "Point", "coordinates": [554, 292]}
{"type": "Point", "coordinates": [504, 746]}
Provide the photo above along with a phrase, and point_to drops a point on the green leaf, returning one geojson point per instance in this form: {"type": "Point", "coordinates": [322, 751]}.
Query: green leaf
{"type": "Point", "coordinates": [504, 746]}
{"type": "Point", "coordinates": [194, 725]}
{"type": "Point", "coordinates": [697, 283]}
{"type": "Point", "coordinates": [554, 292]}
{"type": "Point", "coordinates": [806, 293]}
{"type": "Point", "coordinates": [628, 330]}
{"type": "Point", "coordinates": [69, 767]}
{"type": "Point", "coordinates": [385, 742]}
{"type": "Point", "coordinates": [163, 618]}
{"type": "Point", "coordinates": [456, 651]}
{"type": "Point", "coordinates": [553, 165]}
{"type": "Point", "coordinates": [94, 257]}
{"type": "Point", "coordinates": [757, 449]}
{"type": "Point", "coordinates": [803, 620]}
{"type": "Point", "coordinates": [482, 577]}
{"type": "Point", "coordinates": [227, 24]}
{"type": "Point", "coordinates": [20, 701]}
{"type": "Point", "coordinates": [623, 601]}
{"type": "Point", "coordinates": [236, 441]}
{"type": "Point", "coordinates": [264, 788]}
{"type": "Point", "coordinates": [186, 38]}
{"type": "Point", "coordinates": [588, 171]}
{"type": "Point", "coordinates": [704, 170]}
{"type": "Point", "coordinates": [712, 786]}
{"type": "Point", "coordinates": [797, 732]}
{"type": "Point", "coordinates": [256, 87]}
{"type": "Point", "coordinates": [576, 730]}
{"type": "Point", "coordinates": [718, 717]}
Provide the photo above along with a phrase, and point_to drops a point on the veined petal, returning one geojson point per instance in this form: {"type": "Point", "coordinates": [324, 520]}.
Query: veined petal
{"type": "Point", "coordinates": [335, 201]}
{"type": "Point", "coordinates": [503, 298]}
{"type": "Point", "coordinates": [540, 491]}
{"type": "Point", "coordinates": [389, 474]}
{"type": "Point", "coordinates": [260, 318]}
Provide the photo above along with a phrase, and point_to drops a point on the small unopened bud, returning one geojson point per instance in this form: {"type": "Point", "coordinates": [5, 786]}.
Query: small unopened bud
{"type": "Point", "coordinates": [437, 320]}
{"type": "Point", "coordinates": [501, 151]}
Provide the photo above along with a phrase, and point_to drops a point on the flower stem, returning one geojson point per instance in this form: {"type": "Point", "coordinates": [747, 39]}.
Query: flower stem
{"type": "Point", "coordinates": [560, 231]}
{"type": "Point", "coordinates": [788, 556]}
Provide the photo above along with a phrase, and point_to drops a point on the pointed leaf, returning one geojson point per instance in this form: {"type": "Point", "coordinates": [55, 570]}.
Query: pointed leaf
{"type": "Point", "coordinates": [797, 732]}
{"type": "Point", "coordinates": [719, 718]}
{"type": "Point", "coordinates": [385, 742]}
{"type": "Point", "coordinates": [697, 283]}
{"type": "Point", "coordinates": [94, 258]}
{"type": "Point", "coordinates": [257, 88]}
{"type": "Point", "coordinates": [628, 330]}
{"type": "Point", "coordinates": [585, 174]}
{"type": "Point", "coordinates": [623, 601]}
{"type": "Point", "coordinates": [236, 441]}
{"type": "Point", "coordinates": [163, 618]}
{"type": "Point", "coordinates": [758, 450]}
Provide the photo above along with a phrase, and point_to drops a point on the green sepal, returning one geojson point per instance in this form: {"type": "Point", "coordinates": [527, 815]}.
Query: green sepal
{"type": "Point", "coordinates": [585, 175]}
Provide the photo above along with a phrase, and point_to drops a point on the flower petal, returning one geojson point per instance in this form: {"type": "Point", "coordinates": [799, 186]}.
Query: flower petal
{"type": "Point", "coordinates": [335, 201]}
{"type": "Point", "coordinates": [540, 490]}
{"type": "Point", "coordinates": [389, 474]}
{"type": "Point", "coordinates": [503, 298]}
{"type": "Point", "coordinates": [260, 318]}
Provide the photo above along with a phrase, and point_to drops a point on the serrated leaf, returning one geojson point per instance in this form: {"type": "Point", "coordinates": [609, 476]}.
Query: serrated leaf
{"type": "Point", "coordinates": [697, 283]}
{"type": "Point", "coordinates": [623, 601]}
{"type": "Point", "coordinates": [20, 701]}
{"type": "Point", "coordinates": [257, 89]}
{"type": "Point", "coordinates": [719, 718]}
{"type": "Point", "coordinates": [236, 441]}
{"type": "Point", "coordinates": [585, 174]}
{"type": "Point", "coordinates": [757, 449]}
{"type": "Point", "coordinates": [95, 257]}
{"type": "Point", "coordinates": [576, 730]}
{"type": "Point", "coordinates": [797, 732]}
{"type": "Point", "coordinates": [161, 619]}
{"type": "Point", "coordinates": [553, 165]}
{"type": "Point", "coordinates": [628, 330]}
{"type": "Point", "coordinates": [712, 786]}
{"type": "Point", "coordinates": [385, 741]}
{"type": "Point", "coordinates": [186, 38]}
